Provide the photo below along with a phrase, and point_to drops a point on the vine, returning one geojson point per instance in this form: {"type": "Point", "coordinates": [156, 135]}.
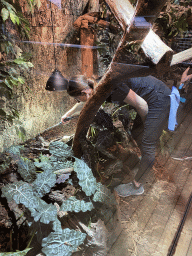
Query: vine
{"type": "Point", "coordinates": [13, 61]}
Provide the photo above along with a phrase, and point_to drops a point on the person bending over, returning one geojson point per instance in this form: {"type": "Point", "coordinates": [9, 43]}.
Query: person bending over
{"type": "Point", "coordinates": [154, 102]}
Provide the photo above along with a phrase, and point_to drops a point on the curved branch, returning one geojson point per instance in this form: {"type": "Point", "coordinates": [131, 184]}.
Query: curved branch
{"type": "Point", "coordinates": [132, 30]}
{"type": "Point", "coordinates": [93, 104]}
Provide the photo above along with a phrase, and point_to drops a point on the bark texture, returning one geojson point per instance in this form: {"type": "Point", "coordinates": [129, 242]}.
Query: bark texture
{"type": "Point", "coordinates": [131, 30]}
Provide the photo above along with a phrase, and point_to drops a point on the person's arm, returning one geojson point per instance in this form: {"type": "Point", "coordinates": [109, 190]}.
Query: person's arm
{"type": "Point", "coordinates": [185, 77]}
{"type": "Point", "coordinates": [74, 111]}
{"type": "Point", "coordinates": [138, 103]}
{"type": "Point", "coordinates": [183, 87]}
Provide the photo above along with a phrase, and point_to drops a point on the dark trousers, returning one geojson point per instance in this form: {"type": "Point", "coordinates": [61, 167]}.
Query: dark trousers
{"type": "Point", "coordinates": [156, 121]}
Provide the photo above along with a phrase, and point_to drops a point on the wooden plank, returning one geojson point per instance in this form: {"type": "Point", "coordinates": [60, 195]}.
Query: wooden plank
{"type": "Point", "coordinates": [189, 252]}
{"type": "Point", "coordinates": [181, 56]}
{"type": "Point", "coordinates": [182, 147]}
{"type": "Point", "coordinates": [156, 224]}
{"type": "Point", "coordinates": [146, 243]}
{"type": "Point", "coordinates": [183, 245]}
{"type": "Point", "coordinates": [183, 179]}
{"type": "Point", "coordinates": [121, 70]}
{"type": "Point", "coordinates": [145, 217]}
{"type": "Point", "coordinates": [189, 129]}
{"type": "Point", "coordinates": [130, 204]}
{"type": "Point", "coordinates": [157, 220]}
{"type": "Point", "coordinates": [162, 212]}
{"type": "Point", "coordinates": [153, 47]}
{"type": "Point", "coordinates": [165, 193]}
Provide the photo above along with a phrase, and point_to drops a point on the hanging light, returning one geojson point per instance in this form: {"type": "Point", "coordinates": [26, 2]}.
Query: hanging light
{"type": "Point", "coordinates": [56, 81]}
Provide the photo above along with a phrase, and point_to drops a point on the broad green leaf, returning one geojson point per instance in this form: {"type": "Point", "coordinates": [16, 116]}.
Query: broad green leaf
{"type": "Point", "coordinates": [19, 253]}
{"type": "Point", "coordinates": [44, 212]}
{"type": "Point", "coordinates": [104, 195]}
{"type": "Point", "coordinates": [8, 83]}
{"type": "Point", "coordinates": [19, 61]}
{"type": "Point", "coordinates": [74, 205]}
{"type": "Point", "coordinates": [60, 149]}
{"type": "Point", "coordinates": [14, 81]}
{"type": "Point", "coordinates": [30, 65]}
{"type": "Point", "coordinates": [21, 192]}
{"type": "Point", "coordinates": [57, 226]}
{"type": "Point", "coordinates": [13, 17]}
{"type": "Point", "coordinates": [86, 179]}
{"type": "Point", "coordinates": [17, 20]}
{"type": "Point", "coordinates": [59, 163]}
{"type": "Point", "coordinates": [4, 14]}
{"type": "Point", "coordinates": [14, 152]}
{"type": "Point", "coordinates": [62, 243]}
{"type": "Point", "coordinates": [44, 182]}
{"type": "Point", "coordinates": [21, 80]}
{"type": "Point", "coordinates": [44, 163]}
{"type": "Point", "coordinates": [26, 169]}
{"type": "Point", "coordinates": [9, 6]}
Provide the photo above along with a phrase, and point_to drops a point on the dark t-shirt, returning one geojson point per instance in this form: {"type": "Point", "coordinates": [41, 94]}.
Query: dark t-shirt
{"type": "Point", "coordinates": [149, 88]}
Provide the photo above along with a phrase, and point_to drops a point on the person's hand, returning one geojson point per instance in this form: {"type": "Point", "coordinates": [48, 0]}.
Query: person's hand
{"type": "Point", "coordinates": [64, 117]}
{"type": "Point", "coordinates": [185, 77]}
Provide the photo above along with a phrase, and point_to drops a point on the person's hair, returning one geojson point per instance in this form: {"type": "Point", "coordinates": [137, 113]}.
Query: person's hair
{"type": "Point", "coordinates": [78, 83]}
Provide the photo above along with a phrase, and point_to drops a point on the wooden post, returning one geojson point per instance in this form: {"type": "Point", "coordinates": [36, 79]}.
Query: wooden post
{"type": "Point", "coordinates": [88, 38]}
{"type": "Point", "coordinates": [88, 55]}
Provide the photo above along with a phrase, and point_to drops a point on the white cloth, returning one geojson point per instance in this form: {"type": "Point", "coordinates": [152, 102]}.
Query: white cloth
{"type": "Point", "coordinates": [175, 100]}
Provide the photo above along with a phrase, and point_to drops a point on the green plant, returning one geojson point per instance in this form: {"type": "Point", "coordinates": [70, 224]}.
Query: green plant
{"type": "Point", "coordinates": [173, 20]}
{"type": "Point", "coordinates": [31, 192]}
{"type": "Point", "coordinates": [13, 61]}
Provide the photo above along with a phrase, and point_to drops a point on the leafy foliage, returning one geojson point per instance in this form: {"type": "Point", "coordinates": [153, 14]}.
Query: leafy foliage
{"type": "Point", "coordinates": [57, 225]}
{"type": "Point", "coordinates": [62, 242]}
{"type": "Point", "coordinates": [86, 179]}
{"type": "Point", "coordinates": [104, 195]}
{"type": "Point", "coordinates": [173, 20]}
{"type": "Point", "coordinates": [44, 212]}
{"type": "Point", "coordinates": [60, 152]}
{"type": "Point", "coordinates": [26, 169]}
{"type": "Point", "coordinates": [21, 192]}
{"type": "Point", "coordinates": [43, 216]}
{"type": "Point", "coordinates": [60, 149]}
{"type": "Point", "coordinates": [59, 163]}
{"type": "Point", "coordinates": [14, 151]}
{"type": "Point", "coordinates": [19, 253]}
{"type": "Point", "coordinates": [43, 163]}
{"type": "Point", "coordinates": [44, 182]}
{"type": "Point", "coordinates": [14, 61]}
{"type": "Point", "coordinates": [74, 205]}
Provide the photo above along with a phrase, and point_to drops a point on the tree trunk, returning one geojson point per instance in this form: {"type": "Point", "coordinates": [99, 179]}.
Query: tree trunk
{"type": "Point", "coordinates": [105, 86]}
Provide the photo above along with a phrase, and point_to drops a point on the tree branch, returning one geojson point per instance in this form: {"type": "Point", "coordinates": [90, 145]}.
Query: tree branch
{"type": "Point", "coordinates": [104, 87]}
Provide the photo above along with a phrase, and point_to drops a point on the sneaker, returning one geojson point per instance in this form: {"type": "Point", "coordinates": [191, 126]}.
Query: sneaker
{"type": "Point", "coordinates": [129, 189]}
